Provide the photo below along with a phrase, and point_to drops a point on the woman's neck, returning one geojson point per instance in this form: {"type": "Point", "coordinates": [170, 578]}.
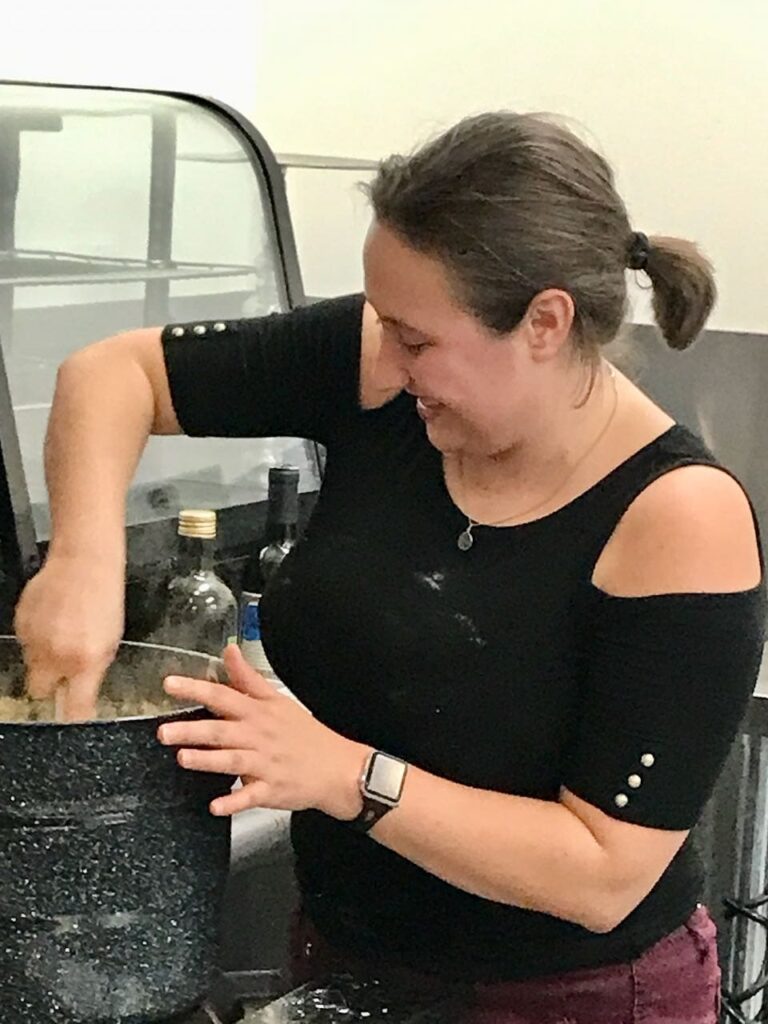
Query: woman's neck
{"type": "Point", "coordinates": [568, 430]}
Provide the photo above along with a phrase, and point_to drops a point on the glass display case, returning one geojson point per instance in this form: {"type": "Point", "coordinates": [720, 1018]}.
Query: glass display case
{"type": "Point", "coordinates": [330, 216]}
{"type": "Point", "coordinates": [121, 209]}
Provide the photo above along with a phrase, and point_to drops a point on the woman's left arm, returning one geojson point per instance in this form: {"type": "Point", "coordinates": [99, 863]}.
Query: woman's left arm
{"type": "Point", "coordinates": [567, 858]}
{"type": "Point", "coordinates": [691, 532]}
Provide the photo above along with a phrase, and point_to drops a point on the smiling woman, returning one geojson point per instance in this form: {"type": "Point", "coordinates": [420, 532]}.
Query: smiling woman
{"type": "Point", "coordinates": [524, 597]}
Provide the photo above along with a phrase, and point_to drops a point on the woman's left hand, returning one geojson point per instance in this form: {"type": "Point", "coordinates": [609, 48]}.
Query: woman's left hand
{"type": "Point", "coordinates": [286, 759]}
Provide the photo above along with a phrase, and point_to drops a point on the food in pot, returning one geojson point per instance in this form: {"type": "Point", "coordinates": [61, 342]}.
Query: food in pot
{"type": "Point", "coordinates": [24, 709]}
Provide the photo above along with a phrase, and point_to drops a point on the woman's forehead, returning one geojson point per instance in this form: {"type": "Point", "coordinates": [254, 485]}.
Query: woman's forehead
{"type": "Point", "coordinates": [404, 285]}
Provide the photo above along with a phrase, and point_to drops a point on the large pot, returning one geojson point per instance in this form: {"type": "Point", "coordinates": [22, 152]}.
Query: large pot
{"type": "Point", "coordinates": [112, 868]}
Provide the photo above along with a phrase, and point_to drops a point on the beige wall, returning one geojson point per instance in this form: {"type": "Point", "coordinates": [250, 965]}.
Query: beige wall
{"type": "Point", "coordinates": [165, 44]}
{"type": "Point", "coordinates": [675, 93]}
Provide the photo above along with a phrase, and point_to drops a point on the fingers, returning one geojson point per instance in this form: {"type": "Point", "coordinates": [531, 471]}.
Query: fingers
{"type": "Point", "coordinates": [76, 696]}
{"type": "Point", "coordinates": [220, 762]}
{"type": "Point", "coordinates": [212, 732]}
{"type": "Point", "coordinates": [224, 745]}
{"type": "Point", "coordinates": [220, 699]}
{"type": "Point", "coordinates": [244, 678]}
{"type": "Point", "coordinates": [254, 794]}
{"type": "Point", "coordinates": [41, 680]}
{"type": "Point", "coordinates": [68, 621]}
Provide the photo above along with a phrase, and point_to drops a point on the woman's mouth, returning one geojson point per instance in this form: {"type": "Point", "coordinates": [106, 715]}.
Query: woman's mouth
{"type": "Point", "coordinates": [428, 408]}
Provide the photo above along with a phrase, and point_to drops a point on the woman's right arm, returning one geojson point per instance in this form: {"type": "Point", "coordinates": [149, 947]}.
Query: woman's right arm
{"type": "Point", "coordinates": [295, 374]}
{"type": "Point", "coordinates": [109, 397]}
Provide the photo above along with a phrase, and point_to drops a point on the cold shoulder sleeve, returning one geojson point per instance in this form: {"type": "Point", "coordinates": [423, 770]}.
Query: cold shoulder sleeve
{"type": "Point", "coordinates": [666, 682]}
{"type": "Point", "coordinates": [293, 374]}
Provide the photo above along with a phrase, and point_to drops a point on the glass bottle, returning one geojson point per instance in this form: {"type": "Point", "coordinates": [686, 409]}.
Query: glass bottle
{"type": "Point", "coordinates": [200, 610]}
{"type": "Point", "coordinates": [280, 534]}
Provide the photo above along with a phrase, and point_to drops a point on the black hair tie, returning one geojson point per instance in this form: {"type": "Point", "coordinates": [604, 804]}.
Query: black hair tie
{"type": "Point", "coordinates": [638, 252]}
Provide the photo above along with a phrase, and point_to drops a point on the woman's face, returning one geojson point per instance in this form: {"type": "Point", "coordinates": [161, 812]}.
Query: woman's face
{"type": "Point", "coordinates": [474, 389]}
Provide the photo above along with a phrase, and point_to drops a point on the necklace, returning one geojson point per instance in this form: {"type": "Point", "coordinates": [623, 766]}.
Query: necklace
{"type": "Point", "coordinates": [465, 538]}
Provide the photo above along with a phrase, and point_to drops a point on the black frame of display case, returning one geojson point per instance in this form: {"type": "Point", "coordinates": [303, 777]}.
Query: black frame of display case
{"type": "Point", "coordinates": [20, 549]}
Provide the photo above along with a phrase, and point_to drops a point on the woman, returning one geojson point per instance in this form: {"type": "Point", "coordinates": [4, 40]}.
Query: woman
{"type": "Point", "coordinates": [528, 603]}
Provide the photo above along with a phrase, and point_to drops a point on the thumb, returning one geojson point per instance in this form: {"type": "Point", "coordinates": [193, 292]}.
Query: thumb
{"type": "Point", "coordinates": [244, 678]}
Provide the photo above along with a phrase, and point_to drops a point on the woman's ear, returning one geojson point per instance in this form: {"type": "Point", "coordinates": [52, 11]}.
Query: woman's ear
{"type": "Point", "coordinates": [548, 322]}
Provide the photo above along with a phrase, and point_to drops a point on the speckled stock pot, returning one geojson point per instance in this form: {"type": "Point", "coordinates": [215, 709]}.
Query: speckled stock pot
{"type": "Point", "coordinates": [111, 866]}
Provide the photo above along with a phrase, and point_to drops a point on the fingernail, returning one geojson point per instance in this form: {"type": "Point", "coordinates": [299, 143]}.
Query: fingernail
{"type": "Point", "coordinates": [161, 734]}
{"type": "Point", "coordinates": [172, 683]}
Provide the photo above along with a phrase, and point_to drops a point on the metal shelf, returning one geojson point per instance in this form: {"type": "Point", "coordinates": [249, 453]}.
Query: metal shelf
{"type": "Point", "coordinates": [23, 112]}
{"type": "Point", "coordinates": [288, 161]}
{"type": "Point", "coordinates": [312, 161]}
{"type": "Point", "coordinates": [43, 267]}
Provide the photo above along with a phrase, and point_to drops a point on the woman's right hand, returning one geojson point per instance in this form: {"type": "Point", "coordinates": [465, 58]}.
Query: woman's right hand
{"type": "Point", "coordinates": [69, 621]}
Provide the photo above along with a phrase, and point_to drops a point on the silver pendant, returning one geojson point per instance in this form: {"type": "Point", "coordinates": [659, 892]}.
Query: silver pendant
{"type": "Point", "coordinates": [466, 540]}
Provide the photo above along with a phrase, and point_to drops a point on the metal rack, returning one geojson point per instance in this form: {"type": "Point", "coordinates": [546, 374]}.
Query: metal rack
{"type": "Point", "coordinates": [311, 161]}
{"type": "Point", "coordinates": [45, 267]}
{"type": "Point", "coordinates": [23, 268]}
{"type": "Point", "coordinates": [155, 269]}
{"type": "Point", "coordinates": [30, 267]}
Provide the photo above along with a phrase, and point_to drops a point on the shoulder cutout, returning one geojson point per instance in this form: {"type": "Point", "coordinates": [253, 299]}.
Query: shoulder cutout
{"type": "Point", "coordinates": [690, 531]}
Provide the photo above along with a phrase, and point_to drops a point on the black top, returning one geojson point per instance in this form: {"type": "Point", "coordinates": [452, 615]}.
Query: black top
{"type": "Point", "coordinates": [502, 667]}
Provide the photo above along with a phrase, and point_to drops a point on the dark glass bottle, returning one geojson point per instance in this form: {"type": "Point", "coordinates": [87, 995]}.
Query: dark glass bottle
{"type": "Point", "coordinates": [200, 611]}
{"type": "Point", "coordinates": [279, 537]}
{"type": "Point", "coordinates": [279, 532]}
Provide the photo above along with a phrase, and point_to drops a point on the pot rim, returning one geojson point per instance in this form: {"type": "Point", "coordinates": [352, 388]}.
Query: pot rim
{"type": "Point", "coordinates": [184, 709]}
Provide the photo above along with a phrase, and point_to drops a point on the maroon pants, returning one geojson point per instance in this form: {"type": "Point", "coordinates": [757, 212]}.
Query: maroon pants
{"type": "Point", "coordinates": [677, 981]}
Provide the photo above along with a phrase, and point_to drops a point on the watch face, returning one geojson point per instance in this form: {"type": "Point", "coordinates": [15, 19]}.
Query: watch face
{"type": "Point", "coordinates": [385, 778]}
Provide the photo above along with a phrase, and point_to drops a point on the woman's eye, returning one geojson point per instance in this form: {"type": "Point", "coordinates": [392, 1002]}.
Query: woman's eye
{"type": "Point", "coordinates": [411, 347]}
{"type": "Point", "coordinates": [396, 334]}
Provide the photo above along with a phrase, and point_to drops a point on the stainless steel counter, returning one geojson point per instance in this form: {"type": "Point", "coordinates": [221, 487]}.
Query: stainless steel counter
{"type": "Point", "coordinates": [347, 1001]}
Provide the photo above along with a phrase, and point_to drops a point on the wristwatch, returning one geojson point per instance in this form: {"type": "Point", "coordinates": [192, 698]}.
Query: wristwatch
{"type": "Point", "coordinates": [381, 786]}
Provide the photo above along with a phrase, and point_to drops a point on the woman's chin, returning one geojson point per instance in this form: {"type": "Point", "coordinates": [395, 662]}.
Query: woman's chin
{"type": "Point", "coordinates": [441, 436]}
{"type": "Point", "coordinates": [451, 442]}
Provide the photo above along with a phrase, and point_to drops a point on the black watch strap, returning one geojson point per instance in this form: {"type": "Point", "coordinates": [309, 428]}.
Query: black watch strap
{"type": "Point", "coordinates": [373, 811]}
{"type": "Point", "coordinates": [381, 786]}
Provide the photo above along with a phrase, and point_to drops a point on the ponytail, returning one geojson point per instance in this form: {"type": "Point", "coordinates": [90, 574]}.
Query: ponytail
{"type": "Point", "coordinates": [684, 289]}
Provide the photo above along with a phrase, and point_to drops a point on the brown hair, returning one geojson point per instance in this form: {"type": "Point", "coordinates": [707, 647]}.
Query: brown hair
{"type": "Point", "coordinates": [515, 203]}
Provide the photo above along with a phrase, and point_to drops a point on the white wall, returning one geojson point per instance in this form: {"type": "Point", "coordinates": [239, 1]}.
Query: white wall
{"type": "Point", "coordinates": [674, 92]}
{"type": "Point", "coordinates": [164, 44]}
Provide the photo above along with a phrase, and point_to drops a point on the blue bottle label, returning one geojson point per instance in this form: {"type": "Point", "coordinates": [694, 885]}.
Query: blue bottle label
{"type": "Point", "coordinates": [251, 621]}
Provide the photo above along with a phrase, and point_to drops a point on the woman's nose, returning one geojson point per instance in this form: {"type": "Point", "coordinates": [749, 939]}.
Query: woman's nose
{"type": "Point", "coordinates": [395, 363]}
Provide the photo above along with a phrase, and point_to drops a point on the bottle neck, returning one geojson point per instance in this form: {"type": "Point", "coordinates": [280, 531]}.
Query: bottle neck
{"type": "Point", "coordinates": [282, 507]}
{"type": "Point", "coordinates": [195, 554]}
{"type": "Point", "coordinates": [280, 532]}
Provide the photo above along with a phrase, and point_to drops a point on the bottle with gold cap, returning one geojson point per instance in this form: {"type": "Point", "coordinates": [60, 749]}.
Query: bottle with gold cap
{"type": "Point", "coordinates": [200, 611]}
